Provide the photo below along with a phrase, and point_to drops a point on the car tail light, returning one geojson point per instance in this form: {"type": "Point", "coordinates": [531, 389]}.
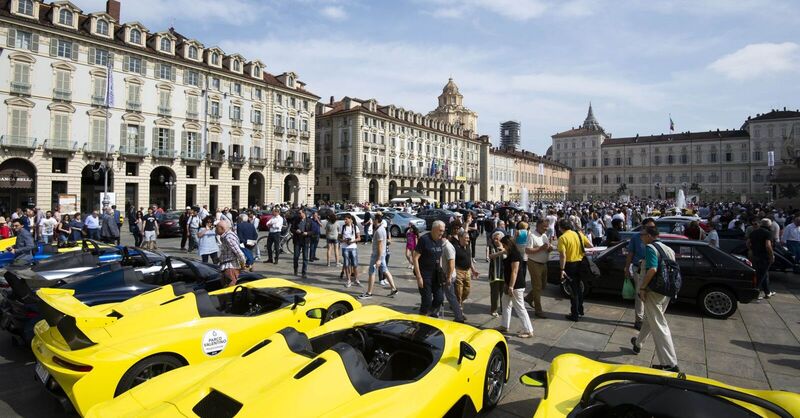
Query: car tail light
{"type": "Point", "coordinates": [72, 366]}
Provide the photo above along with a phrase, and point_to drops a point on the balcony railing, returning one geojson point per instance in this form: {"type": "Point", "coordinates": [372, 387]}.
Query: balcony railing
{"type": "Point", "coordinates": [191, 155]}
{"type": "Point", "coordinates": [164, 153]}
{"type": "Point", "coordinates": [20, 142]}
{"type": "Point", "coordinates": [292, 132]}
{"type": "Point", "coordinates": [62, 95]}
{"type": "Point", "coordinates": [59, 145]}
{"type": "Point", "coordinates": [192, 115]}
{"type": "Point", "coordinates": [23, 89]}
{"type": "Point", "coordinates": [164, 111]}
{"type": "Point", "coordinates": [236, 123]}
{"type": "Point", "coordinates": [258, 161]}
{"type": "Point", "coordinates": [133, 150]}
{"type": "Point", "coordinates": [216, 156]}
{"type": "Point", "coordinates": [289, 164]}
{"type": "Point", "coordinates": [374, 171]}
{"type": "Point", "coordinates": [279, 130]}
{"type": "Point", "coordinates": [98, 100]}
{"type": "Point", "coordinates": [133, 106]}
{"type": "Point", "coordinates": [212, 118]}
{"type": "Point", "coordinates": [305, 134]}
{"type": "Point", "coordinates": [236, 159]}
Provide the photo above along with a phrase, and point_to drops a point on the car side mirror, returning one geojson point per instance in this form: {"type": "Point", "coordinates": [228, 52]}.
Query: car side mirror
{"type": "Point", "coordinates": [298, 301]}
{"type": "Point", "coordinates": [534, 379]}
{"type": "Point", "coordinates": [466, 351]}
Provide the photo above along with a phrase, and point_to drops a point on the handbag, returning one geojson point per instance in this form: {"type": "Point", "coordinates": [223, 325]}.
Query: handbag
{"type": "Point", "coordinates": [588, 266]}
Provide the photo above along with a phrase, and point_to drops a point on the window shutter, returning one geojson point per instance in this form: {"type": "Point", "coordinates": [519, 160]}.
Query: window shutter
{"type": "Point", "coordinates": [111, 59]}
{"type": "Point", "coordinates": [155, 138]}
{"type": "Point", "coordinates": [171, 139]}
{"type": "Point", "coordinates": [123, 135]}
{"type": "Point", "coordinates": [53, 47]}
{"type": "Point", "coordinates": [252, 116]}
{"type": "Point", "coordinates": [75, 50]}
{"type": "Point", "coordinates": [126, 63]}
{"type": "Point", "coordinates": [158, 70]}
{"type": "Point", "coordinates": [141, 135]}
{"type": "Point", "coordinates": [11, 38]}
{"type": "Point", "coordinates": [91, 55]}
{"type": "Point", "coordinates": [35, 43]}
{"type": "Point", "coordinates": [183, 140]}
{"type": "Point", "coordinates": [172, 74]}
{"type": "Point", "coordinates": [143, 70]}
{"type": "Point", "coordinates": [230, 111]}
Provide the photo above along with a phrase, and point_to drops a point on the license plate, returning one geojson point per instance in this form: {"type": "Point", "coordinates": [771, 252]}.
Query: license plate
{"type": "Point", "coordinates": [42, 373]}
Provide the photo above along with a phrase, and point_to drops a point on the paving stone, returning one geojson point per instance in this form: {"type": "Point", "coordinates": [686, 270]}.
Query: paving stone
{"type": "Point", "coordinates": [583, 340]}
{"type": "Point", "coordinates": [689, 349]}
{"type": "Point", "coordinates": [729, 343]}
{"type": "Point", "coordinates": [780, 381]}
{"type": "Point", "coordinates": [741, 382]}
{"type": "Point", "coordinates": [735, 365]}
{"type": "Point", "coordinates": [685, 326]}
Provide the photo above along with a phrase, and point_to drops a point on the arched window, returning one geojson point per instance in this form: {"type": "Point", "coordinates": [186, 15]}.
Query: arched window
{"type": "Point", "coordinates": [135, 37]}
{"type": "Point", "coordinates": [166, 45]}
{"type": "Point", "coordinates": [236, 65]}
{"type": "Point", "coordinates": [102, 27]}
{"type": "Point", "coordinates": [25, 7]}
{"type": "Point", "coordinates": [65, 17]}
{"type": "Point", "coordinates": [193, 52]}
{"type": "Point", "coordinates": [256, 71]}
{"type": "Point", "coordinates": [214, 58]}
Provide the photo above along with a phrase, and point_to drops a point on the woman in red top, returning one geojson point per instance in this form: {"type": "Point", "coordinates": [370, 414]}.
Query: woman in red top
{"type": "Point", "coordinates": [5, 231]}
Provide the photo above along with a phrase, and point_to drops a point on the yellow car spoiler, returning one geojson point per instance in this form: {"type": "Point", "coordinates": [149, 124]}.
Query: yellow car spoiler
{"type": "Point", "coordinates": [75, 321]}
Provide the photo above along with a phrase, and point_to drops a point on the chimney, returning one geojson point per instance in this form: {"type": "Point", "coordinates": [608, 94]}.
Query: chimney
{"type": "Point", "coordinates": [113, 9]}
{"type": "Point", "coordinates": [331, 100]}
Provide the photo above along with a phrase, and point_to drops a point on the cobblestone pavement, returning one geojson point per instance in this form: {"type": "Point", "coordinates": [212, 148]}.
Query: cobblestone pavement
{"type": "Point", "coordinates": [758, 347]}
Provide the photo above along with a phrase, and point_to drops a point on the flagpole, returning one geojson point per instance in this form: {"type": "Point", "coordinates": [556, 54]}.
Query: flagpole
{"type": "Point", "coordinates": [109, 97]}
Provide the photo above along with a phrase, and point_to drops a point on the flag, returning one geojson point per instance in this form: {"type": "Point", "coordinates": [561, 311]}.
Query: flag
{"type": "Point", "coordinates": [671, 124]}
{"type": "Point", "coordinates": [433, 168]}
{"type": "Point", "coordinates": [110, 83]}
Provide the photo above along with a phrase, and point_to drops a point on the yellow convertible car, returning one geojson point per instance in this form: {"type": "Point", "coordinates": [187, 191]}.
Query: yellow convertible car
{"type": "Point", "coordinates": [372, 362]}
{"type": "Point", "coordinates": [92, 354]}
{"type": "Point", "coordinates": [577, 387]}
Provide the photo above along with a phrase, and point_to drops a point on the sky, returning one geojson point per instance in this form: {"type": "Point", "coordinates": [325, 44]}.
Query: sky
{"type": "Point", "coordinates": [706, 63]}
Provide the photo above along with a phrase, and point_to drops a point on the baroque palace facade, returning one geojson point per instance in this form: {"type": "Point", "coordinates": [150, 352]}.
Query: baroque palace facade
{"type": "Point", "coordinates": [371, 152]}
{"type": "Point", "coordinates": [187, 123]}
{"type": "Point", "coordinates": [730, 164]}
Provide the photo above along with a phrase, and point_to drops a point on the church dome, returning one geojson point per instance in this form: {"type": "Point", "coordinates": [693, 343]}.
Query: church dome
{"type": "Point", "coordinates": [450, 87]}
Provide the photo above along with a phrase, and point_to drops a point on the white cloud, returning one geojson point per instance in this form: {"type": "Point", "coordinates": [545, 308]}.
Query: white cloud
{"type": "Point", "coordinates": [759, 60]}
{"type": "Point", "coordinates": [521, 10]}
{"type": "Point", "coordinates": [334, 12]}
{"type": "Point", "coordinates": [208, 12]}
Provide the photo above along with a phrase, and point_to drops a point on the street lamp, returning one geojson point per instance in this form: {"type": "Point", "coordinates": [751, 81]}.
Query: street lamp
{"type": "Point", "coordinates": [97, 168]}
{"type": "Point", "coordinates": [171, 184]}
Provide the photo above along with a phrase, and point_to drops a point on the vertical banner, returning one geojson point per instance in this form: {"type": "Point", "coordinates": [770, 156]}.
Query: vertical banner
{"type": "Point", "coordinates": [770, 158]}
{"type": "Point", "coordinates": [541, 169]}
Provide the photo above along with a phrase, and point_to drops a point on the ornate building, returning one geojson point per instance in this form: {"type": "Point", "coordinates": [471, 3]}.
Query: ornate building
{"type": "Point", "coordinates": [187, 123]}
{"type": "Point", "coordinates": [727, 163]}
{"type": "Point", "coordinates": [451, 109]}
{"type": "Point", "coordinates": [509, 172]}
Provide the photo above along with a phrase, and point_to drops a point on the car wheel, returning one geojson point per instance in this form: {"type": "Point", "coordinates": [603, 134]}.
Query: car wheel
{"type": "Point", "coordinates": [566, 289]}
{"type": "Point", "coordinates": [395, 231]}
{"type": "Point", "coordinates": [495, 379]}
{"type": "Point", "coordinates": [145, 370]}
{"type": "Point", "coordinates": [717, 302]}
{"type": "Point", "coordinates": [336, 310]}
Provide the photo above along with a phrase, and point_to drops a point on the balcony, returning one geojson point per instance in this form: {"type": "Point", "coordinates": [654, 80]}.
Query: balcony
{"type": "Point", "coordinates": [193, 116]}
{"type": "Point", "coordinates": [191, 155]}
{"type": "Point", "coordinates": [279, 130]}
{"type": "Point", "coordinates": [292, 132]}
{"type": "Point", "coordinates": [305, 134]}
{"type": "Point", "coordinates": [258, 161]}
{"type": "Point", "coordinates": [215, 156]}
{"type": "Point", "coordinates": [62, 95]}
{"type": "Point", "coordinates": [374, 171]}
{"type": "Point", "coordinates": [98, 100]}
{"type": "Point", "coordinates": [133, 149]}
{"type": "Point", "coordinates": [213, 118]}
{"type": "Point", "coordinates": [59, 145]}
{"type": "Point", "coordinates": [164, 153]}
{"type": "Point", "coordinates": [237, 160]}
{"type": "Point", "coordinates": [132, 106]}
{"type": "Point", "coordinates": [17, 142]}
{"type": "Point", "coordinates": [21, 89]}
{"type": "Point", "coordinates": [291, 165]}
{"type": "Point", "coordinates": [164, 111]}
{"type": "Point", "coordinates": [236, 123]}
{"type": "Point", "coordinates": [341, 170]}
{"type": "Point", "coordinates": [345, 145]}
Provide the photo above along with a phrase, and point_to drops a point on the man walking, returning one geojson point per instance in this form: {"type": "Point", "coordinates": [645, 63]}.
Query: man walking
{"type": "Point", "coordinates": [193, 226]}
{"type": "Point", "coordinates": [232, 259]}
{"type": "Point", "coordinates": [791, 237]}
{"type": "Point", "coordinates": [428, 270]}
{"type": "Point", "coordinates": [762, 255]}
{"type": "Point", "coordinates": [301, 232]}
{"type": "Point", "coordinates": [655, 304]}
{"type": "Point", "coordinates": [448, 284]}
{"type": "Point", "coordinates": [377, 261]}
{"type": "Point", "coordinates": [117, 220]}
{"type": "Point", "coordinates": [150, 230]}
{"type": "Point", "coordinates": [538, 251]}
{"type": "Point", "coordinates": [183, 222]}
{"type": "Point", "coordinates": [634, 269]}
{"type": "Point", "coordinates": [571, 246]}
{"type": "Point", "coordinates": [274, 225]}
{"type": "Point", "coordinates": [109, 231]}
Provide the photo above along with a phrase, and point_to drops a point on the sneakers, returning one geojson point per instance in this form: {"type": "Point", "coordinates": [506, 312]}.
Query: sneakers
{"type": "Point", "coordinates": [365, 295]}
{"type": "Point", "coordinates": [769, 295]}
{"type": "Point", "coordinates": [392, 293]}
{"type": "Point", "coordinates": [384, 283]}
{"type": "Point", "coordinates": [357, 283]}
{"type": "Point", "coordinates": [348, 284]}
{"type": "Point", "coordinates": [636, 348]}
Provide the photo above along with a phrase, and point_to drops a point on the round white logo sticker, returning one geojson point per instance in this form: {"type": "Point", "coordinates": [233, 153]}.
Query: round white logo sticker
{"type": "Point", "coordinates": [214, 342]}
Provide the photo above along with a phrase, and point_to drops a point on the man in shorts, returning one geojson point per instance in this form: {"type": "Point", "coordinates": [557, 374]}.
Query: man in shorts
{"type": "Point", "coordinates": [150, 230]}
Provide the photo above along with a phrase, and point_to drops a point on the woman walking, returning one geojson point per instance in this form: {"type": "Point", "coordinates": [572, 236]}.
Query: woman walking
{"type": "Point", "coordinates": [496, 274]}
{"type": "Point", "coordinates": [207, 246]}
{"type": "Point", "coordinates": [332, 237]}
{"type": "Point", "coordinates": [515, 288]}
{"type": "Point", "coordinates": [412, 235]}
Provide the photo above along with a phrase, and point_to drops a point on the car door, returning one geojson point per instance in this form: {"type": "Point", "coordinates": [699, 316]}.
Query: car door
{"type": "Point", "coordinates": [612, 269]}
{"type": "Point", "coordinates": [695, 268]}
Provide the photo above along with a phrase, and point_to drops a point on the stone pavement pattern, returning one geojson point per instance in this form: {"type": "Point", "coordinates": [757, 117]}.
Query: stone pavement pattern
{"type": "Point", "coordinates": [758, 347]}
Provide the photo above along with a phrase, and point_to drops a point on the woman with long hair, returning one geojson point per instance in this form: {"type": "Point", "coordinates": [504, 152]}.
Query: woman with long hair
{"type": "Point", "coordinates": [515, 288]}
{"type": "Point", "coordinates": [63, 230]}
{"type": "Point", "coordinates": [332, 238]}
{"type": "Point", "coordinates": [136, 228]}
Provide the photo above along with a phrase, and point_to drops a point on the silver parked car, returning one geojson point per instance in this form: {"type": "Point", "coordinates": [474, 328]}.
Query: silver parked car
{"type": "Point", "coordinates": [401, 221]}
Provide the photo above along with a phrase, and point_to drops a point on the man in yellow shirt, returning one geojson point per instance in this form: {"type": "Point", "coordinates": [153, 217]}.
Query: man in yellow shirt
{"type": "Point", "coordinates": [571, 246]}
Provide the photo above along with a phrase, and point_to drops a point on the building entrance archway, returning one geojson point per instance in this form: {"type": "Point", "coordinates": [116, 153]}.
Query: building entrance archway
{"type": "Point", "coordinates": [373, 191]}
{"type": "Point", "coordinates": [92, 185]}
{"type": "Point", "coordinates": [255, 190]}
{"type": "Point", "coordinates": [17, 185]}
{"type": "Point", "coordinates": [162, 187]}
{"type": "Point", "coordinates": [442, 194]}
{"type": "Point", "coordinates": [392, 190]}
{"type": "Point", "coordinates": [291, 189]}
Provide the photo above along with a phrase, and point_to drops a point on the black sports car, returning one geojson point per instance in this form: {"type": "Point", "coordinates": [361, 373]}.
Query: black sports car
{"type": "Point", "coordinates": [713, 280]}
{"type": "Point", "coordinates": [110, 283]}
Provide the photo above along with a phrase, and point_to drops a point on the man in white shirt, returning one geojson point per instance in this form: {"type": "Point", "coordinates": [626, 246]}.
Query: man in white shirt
{"type": "Point", "coordinates": [538, 251]}
{"type": "Point", "coordinates": [274, 225]}
{"type": "Point", "coordinates": [791, 237]}
{"type": "Point", "coordinates": [551, 223]}
{"type": "Point", "coordinates": [193, 226]}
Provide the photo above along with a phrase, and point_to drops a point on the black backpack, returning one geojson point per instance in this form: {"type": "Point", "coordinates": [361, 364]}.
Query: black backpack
{"type": "Point", "coordinates": [667, 280]}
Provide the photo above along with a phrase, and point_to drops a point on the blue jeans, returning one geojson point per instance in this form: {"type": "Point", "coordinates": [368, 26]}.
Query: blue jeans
{"type": "Point", "coordinates": [350, 257]}
{"type": "Point", "coordinates": [794, 248]}
{"type": "Point", "coordinates": [300, 248]}
{"type": "Point", "coordinates": [312, 247]}
{"type": "Point", "coordinates": [94, 234]}
{"type": "Point", "coordinates": [432, 297]}
{"type": "Point", "coordinates": [450, 294]}
{"type": "Point", "coordinates": [762, 275]}
{"type": "Point", "coordinates": [374, 259]}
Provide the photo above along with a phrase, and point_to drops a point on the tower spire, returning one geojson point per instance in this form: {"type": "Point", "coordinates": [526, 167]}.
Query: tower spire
{"type": "Point", "coordinates": [591, 122]}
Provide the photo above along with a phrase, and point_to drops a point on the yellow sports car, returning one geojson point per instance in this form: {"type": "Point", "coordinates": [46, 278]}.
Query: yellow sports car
{"type": "Point", "coordinates": [92, 354]}
{"type": "Point", "coordinates": [578, 387]}
{"type": "Point", "coordinates": [372, 362]}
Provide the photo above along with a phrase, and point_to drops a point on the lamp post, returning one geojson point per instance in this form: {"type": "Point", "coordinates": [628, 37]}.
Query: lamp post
{"type": "Point", "coordinates": [170, 183]}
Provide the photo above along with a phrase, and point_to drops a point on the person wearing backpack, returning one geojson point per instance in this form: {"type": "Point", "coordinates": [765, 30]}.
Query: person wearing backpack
{"type": "Point", "coordinates": [658, 258]}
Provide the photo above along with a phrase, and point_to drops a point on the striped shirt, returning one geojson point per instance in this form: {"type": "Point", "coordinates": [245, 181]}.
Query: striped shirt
{"type": "Point", "coordinates": [230, 254]}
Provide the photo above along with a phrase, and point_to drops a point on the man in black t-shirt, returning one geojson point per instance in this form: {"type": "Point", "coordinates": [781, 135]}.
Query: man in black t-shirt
{"type": "Point", "coordinates": [761, 255]}
{"type": "Point", "coordinates": [150, 230]}
{"type": "Point", "coordinates": [427, 262]}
